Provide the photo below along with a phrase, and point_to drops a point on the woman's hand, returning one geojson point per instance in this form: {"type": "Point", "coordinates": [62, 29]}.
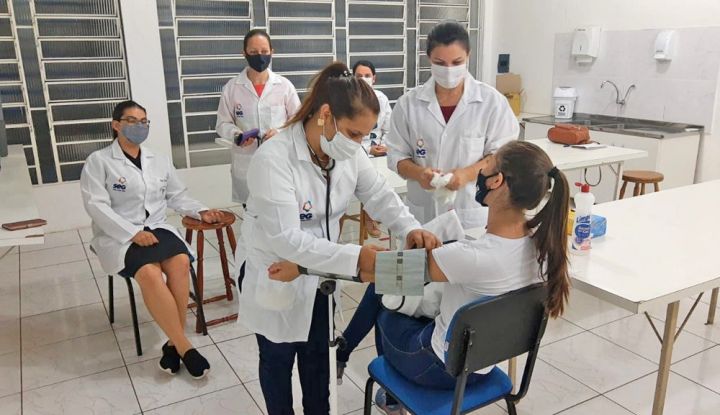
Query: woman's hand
{"type": "Point", "coordinates": [144, 238]}
{"type": "Point", "coordinates": [378, 150]}
{"type": "Point", "coordinates": [285, 271]}
{"type": "Point", "coordinates": [270, 134]}
{"type": "Point", "coordinates": [420, 238]}
{"type": "Point", "coordinates": [426, 176]}
{"type": "Point", "coordinates": [211, 216]}
{"type": "Point", "coordinates": [460, 178]}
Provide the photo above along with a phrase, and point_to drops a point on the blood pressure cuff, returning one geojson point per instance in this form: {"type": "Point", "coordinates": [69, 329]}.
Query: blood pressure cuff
{"type": "Point", "coordinates": [401, 272]}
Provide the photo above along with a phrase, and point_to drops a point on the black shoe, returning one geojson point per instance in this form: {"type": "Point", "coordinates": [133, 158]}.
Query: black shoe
{"type": "Point", "coordinates": [170, 360]}
{"type": "Point", "coordinates": [196, 364]}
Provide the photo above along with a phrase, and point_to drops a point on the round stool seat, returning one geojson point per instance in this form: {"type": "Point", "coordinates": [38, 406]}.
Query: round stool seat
{"type": "Point", "coordinates": [228, 218]}
{"type": "Point", "coordinates": [642, 176]}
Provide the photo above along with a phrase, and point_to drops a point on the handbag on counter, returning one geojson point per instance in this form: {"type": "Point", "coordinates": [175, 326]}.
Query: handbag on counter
{"type": "Point", "coordinates": [569, 134]}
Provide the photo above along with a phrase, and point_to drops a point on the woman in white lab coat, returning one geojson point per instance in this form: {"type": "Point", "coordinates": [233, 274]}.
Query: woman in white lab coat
{"type": "Point", "coordinates": [126, 190]}
{"type": "Point", "coordinates": [301, 183]}
{"type": "Point", "coordinates": [449, 124]}
{"type": "Point", "coordinates": [256, 98]}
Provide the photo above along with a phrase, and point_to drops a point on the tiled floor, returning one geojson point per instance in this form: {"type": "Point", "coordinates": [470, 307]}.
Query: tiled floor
{"type": "Point", "coordinates": [60, 355]}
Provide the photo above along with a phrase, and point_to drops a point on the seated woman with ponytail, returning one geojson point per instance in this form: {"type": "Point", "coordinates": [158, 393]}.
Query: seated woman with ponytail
{"type": "Point", "coordinates": [514, 252]}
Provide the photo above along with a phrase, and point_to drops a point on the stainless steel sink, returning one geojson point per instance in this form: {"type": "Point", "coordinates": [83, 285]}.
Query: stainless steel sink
{"type": "Point", "coordinates": [620, 125]}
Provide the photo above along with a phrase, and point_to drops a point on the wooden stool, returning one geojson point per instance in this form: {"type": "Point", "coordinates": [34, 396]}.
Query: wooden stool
{"type": "Point", "coordinates": [360, 218]}
{"type": "Point", "coordinates": [191, 224]}
{"type": "Point", "coordinates": [640, 178]}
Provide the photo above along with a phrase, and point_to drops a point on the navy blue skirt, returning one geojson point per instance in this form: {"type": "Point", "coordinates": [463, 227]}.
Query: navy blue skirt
{"type": "Point", "coordinates": [168, 246]}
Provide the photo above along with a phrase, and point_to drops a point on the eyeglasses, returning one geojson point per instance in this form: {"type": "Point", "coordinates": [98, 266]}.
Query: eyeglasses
{"type": "Point", "coordinates": [134, 121]}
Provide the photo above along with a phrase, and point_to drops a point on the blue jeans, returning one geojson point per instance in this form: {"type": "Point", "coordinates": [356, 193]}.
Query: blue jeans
{"type": "Point", "coordinates": [404, 341]}
{"type": "Point", "coordinates": [362, 322]}
{"type": "Point", "coordinates": [276, 365]}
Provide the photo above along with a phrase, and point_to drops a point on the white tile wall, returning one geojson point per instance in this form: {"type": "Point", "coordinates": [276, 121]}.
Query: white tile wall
{"type": "Point", "coordinates": [683, 90]}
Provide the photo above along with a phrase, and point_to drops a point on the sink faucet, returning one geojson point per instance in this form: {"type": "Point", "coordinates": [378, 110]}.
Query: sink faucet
{"type": "Point", "coordinates": [618, 101]}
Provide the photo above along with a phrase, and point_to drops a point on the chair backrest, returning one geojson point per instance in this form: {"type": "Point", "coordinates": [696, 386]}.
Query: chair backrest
{"type": "Point", "coordinates": [491, 330]}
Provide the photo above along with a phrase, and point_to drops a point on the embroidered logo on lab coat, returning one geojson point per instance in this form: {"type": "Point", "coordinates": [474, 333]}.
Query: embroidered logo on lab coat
{"type": "Point", "coordinates": [420, 151]}
{"type": "Point", "coordinates": [120, 185]}
{"type": "Point", "coordinates": [239, 111]}
{"type": "Point", "coordinates": [305, 215]}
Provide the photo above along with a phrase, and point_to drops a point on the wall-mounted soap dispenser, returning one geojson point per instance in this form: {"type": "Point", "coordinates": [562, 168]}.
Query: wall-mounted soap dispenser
{"type": "Point", "coordinates": [665, 46]}
{"type": "Point", "coordinates": [586, 44]}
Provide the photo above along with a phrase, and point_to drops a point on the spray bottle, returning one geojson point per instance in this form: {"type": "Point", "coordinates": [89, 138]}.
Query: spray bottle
{"type": "Point", "coordinates": [581, 231]}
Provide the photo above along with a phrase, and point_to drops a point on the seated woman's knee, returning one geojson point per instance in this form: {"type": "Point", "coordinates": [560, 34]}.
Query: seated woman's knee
{"type": "Point", "coordinates": [149, 274]}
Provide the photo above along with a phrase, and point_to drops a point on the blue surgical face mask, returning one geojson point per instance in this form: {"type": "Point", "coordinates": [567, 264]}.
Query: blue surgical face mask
{"type": "Point", "coordinates": [136, 133]}
{"type": "Point", "coordinates": [481, 189]}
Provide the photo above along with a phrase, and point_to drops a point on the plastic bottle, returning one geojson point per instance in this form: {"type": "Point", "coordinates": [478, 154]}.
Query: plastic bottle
{"type": "Point", "coordinates": [581, 231]}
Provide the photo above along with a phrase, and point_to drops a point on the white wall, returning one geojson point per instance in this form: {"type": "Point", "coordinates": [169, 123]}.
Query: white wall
{"type": "Point", "coordinates": [527, 29]}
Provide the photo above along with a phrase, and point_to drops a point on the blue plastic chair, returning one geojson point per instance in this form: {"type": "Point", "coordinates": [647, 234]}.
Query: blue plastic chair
{"type": "Point", "coordinates": [482, 333]}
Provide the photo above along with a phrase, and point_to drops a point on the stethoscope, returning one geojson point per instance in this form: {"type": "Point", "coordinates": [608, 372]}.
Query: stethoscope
{"type": "Point", "coordinates": [326, 174]}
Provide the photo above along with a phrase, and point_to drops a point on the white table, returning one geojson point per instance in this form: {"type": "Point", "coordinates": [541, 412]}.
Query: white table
{"type": "Point", "coordinates": [569, 158]}
{"type": "Point", "coordinates": [660, 248]}
{"type": "Point", "coordinates": [17, 198]}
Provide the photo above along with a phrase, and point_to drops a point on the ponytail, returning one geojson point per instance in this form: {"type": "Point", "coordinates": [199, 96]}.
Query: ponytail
{"type": "Point", "coordinates": [550, 238]}
{"type": "Point", "coordinates": [335, 86]}
{"type": "Point", "coordinates": [529, 174]}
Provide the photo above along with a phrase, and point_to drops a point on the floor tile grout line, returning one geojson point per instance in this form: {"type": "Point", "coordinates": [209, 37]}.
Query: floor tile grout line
{"type": "Point", "coordinates": [117, 342]}
{"type": "Point", "coordinates": [692, 381]}
{"type": "Point", "coordinates": [236, 374]}
{"type": "Point", "coordinates": [588, 386]}
{"type": "Point", "coordinates": [62, 309]}
{"type": "Point", "coordinates": [74, 378]}
{"type": "Point", "coordinates": [659, 346]}
{"type": "Point", "coordinates": [189, 399]}
{"type": "Point", "coordinates": [694, 354]}
{"type": "Point", "coordinates": [619, 404]}
{"type": "Point", "coordinates": [574, 405]}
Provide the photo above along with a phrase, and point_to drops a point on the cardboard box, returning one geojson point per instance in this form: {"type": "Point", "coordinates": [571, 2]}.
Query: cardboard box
{"type": "Point", "coordinates": [515, 102]}
{"type": "Point", "coordinates": [508, 83]}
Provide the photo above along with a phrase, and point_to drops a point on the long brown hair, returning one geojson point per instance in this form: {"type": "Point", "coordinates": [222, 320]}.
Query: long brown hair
{"type": "Point", "coordinates": [335, 86]}
{"type": "Point", "coordinates": [529, 174]}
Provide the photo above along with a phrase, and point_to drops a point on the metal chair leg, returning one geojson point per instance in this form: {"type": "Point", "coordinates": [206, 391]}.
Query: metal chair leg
{"type": "Point", "coordinates": [199, 301]}
{"type": "Point", "coordinates": [367, 409]}
{"type": "Point", "coordinates": [133, 310]}
{"type": "Point", "coordinates": [111, 299]}
{"type": "Point", "coordinates": [511, 407]}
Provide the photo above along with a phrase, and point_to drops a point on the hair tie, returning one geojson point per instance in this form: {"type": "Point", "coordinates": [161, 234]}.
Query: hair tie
{"type": "Point", "coordinates": [553, 172]}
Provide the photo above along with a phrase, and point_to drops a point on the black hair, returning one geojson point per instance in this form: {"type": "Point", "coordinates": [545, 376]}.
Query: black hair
{"type": "Point", "coordinates": [119, 111]}
{"type": "Point", "coordinates": [364, 63]}
{"type": "Point", "coordinates": [446, 33]}
{"type": "Point", "coordinates": [256, 32]}
{"type": "Point", "coordinates": [335, 86]}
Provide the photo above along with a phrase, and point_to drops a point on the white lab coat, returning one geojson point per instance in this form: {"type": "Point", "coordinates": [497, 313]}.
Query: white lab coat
{"type": "Point", "coordinates": [241, 109]}
{"type": "Point", "coordinates": [116, 195]}
{"type": "Point", "coordinates": [285, 219]}
{"type": "Point", "coordinates": [383, 122]}
{"type": "Point", "coordinates": [481, 123]}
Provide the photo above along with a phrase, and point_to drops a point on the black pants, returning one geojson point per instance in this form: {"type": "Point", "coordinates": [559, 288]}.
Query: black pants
{"type": "Point", "coordinates": [276, 365]}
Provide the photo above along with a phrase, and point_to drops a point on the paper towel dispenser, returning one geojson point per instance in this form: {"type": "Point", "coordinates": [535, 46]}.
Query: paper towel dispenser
{"type": "Point", "coordinates": [665, 46]}
{"type": "Point", "coordinates": [586, 44]}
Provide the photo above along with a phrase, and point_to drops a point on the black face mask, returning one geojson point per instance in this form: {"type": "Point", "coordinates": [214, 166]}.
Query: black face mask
{"type": "Point", "coordinates": [258, 62]}
{"type": "Point", "coordinates": [481, 189]}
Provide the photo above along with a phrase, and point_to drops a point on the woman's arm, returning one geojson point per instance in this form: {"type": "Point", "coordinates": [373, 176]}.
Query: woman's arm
{"type": "Point", "coordinates": [96, 200]}
{"type": "Point", "coordinates": [271, 185]}
{"type": "Point", "coordinates": [225, 124]}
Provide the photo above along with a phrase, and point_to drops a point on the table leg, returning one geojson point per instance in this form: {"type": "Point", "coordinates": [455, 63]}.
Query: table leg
{"type": "Point", "coordinates": [224, 264]}
{"type": "Point", "coordinates": [665, 358]}
{"type": "Point", "coordinates": [512, 372]}
{"type": "Point", "coordinates": [713, 306]}
{"type": "Point", "coordinates": [618, 180]}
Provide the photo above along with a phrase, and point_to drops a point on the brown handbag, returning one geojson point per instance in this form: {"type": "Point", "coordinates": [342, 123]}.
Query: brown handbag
{"type": "Point", "coordinates": [569, 134]}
